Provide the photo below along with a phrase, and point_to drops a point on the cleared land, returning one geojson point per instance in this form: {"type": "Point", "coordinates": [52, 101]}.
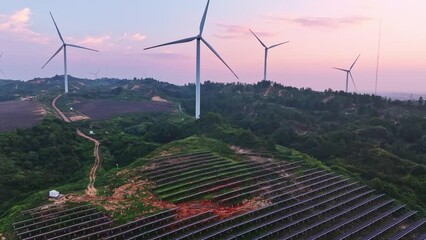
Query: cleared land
{"type": "Point", "coordinates": [104, 109]}
{"type": "Point", "coordinates": [20, 114]}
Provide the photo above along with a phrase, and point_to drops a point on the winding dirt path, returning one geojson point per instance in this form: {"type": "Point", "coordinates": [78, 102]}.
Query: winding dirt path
{"type": "Point", "coordinates": [90, 190]}
{"type": "Point", "coordinates": [65, 118]}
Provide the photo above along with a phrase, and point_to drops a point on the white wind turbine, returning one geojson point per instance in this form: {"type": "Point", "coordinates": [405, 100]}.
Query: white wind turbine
{"type": "Point", "coordinates": [266, 51]}
{"type": "Point", "coordinates": [95, 74]}
{"type": "Point", "coordinates": [349, 73]}
{"type": "Point", "coordinates": [1, 71]}
{"type": "Point", "coordinates": [64, 46]}
{"type": "Point", "coordinates": [199, 39]}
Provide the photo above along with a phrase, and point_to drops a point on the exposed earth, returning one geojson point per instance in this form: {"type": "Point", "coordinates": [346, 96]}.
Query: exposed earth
{"type": "Point", "coordinates": [20, 114]}
{"type": "Point", "coordinates": [104, 109]}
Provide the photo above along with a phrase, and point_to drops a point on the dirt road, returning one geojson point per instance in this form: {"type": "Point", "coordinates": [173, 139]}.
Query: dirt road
{"type": "Point", "coordinates": [65, 118]}
{"type": "Point", "coordinates": [90, 190]}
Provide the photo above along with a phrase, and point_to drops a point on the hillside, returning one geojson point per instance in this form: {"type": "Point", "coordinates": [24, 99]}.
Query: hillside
{"type": "Point", "coordinates": [376, 141]}
{"type": "Point", "coordinates": [240, 194]}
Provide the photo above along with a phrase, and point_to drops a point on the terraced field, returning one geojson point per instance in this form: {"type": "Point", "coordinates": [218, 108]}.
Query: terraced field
{"type": "Point", "coordinates": [105, 109]}
{"type": "Point", "coordinates": [284, 200]}
{"type": "Point", "coordinates": [20, 114]}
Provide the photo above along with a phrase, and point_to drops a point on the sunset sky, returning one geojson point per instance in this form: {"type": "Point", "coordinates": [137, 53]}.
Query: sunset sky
{"type": "Point", "coordinates": [322, 34]}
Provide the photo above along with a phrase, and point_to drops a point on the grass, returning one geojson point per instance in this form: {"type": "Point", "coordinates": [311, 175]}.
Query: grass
{"type": "Point", "coordinates": [289, 154]}
{"type": "Point", "coordinates": [193, 144]}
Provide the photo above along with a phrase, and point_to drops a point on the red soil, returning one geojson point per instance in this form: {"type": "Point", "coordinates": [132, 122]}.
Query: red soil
{"type": "Point", "coordinates": [196, 207]}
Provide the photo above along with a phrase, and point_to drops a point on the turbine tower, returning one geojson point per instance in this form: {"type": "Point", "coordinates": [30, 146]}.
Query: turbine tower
{"type": "Point", "coordinates": [64, 46]}
{"type": "Point", "coordinates": [199, 39]}
{"type": "Point", "coordinates": [266, 51]}
{"type": "Point", "coordinates": [1, 71]}
{"type": "Point", "coordinates": [349, 73]}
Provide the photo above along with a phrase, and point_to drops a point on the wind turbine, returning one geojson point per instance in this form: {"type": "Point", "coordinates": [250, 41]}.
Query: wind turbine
{"type": "Point", "coordinates": [199, 39]}
{"type": "Point", "coordinates": [64, 46]}
{"type": "Point", "coordinates": [95, 74]}
{"type": "Point", "coordinates": [266, 51]}
{"type": "Point", "coordinates": [1, 71]}
{"type": "Point", "coordinates": [349, 73]}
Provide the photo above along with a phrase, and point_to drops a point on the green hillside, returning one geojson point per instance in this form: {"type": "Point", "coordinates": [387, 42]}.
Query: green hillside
{"type": "Point", "coordinates": [378, 141]}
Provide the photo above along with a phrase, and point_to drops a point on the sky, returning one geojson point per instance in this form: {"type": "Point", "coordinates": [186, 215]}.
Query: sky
{"type": "Point", "coordinates": [322, 34]}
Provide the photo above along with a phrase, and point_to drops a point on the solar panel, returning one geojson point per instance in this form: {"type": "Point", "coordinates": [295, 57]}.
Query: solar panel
{"type": "Point", "coordinates": [368, 223]}
{"type": "Point", "coordinates": [379, 231]}
{"type": "Point", "coordinates": [252, 177]}
{"type": "Point", "coordinates": [411, 228]}
{"type": "Point", "coordinates": [256, 215]}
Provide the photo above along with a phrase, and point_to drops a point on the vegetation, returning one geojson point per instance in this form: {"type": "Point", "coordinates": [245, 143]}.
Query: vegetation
{"type": "Point", "coordinates": [379, 141]}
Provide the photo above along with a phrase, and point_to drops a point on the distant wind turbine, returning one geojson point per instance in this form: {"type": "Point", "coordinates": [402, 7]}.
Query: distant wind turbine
{"type": "Point", "coordinates": [199, 38]}
{"type": "Point", "coordinates": [349, 73]}
{"type": "Point", "coordinates": [1, 71]}
{"type": "Point", "coordinates": [266, 51]}
{"type": "Point", "coordinates": [64, 46]}
{"type": "Point", "coordinates": [378, 57]}
{"type": "Point", "coordinates": [95, 74]}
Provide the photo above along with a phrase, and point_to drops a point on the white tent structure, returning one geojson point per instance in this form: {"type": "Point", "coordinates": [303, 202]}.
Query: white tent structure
{"type": "Point", "coordinates": [53, 194]}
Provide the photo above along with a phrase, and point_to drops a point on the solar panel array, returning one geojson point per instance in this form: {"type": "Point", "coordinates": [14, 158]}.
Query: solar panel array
{"type": "Point", "coordinates": [302, 204]}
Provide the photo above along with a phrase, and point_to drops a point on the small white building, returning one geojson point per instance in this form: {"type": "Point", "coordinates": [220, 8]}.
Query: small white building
{"type": "Point", "coordinates": [53, 194]}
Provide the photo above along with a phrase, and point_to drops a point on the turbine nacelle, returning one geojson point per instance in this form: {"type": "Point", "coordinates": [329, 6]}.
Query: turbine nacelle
{"type": "Point", "coordinates": [266, 50]}
{"type": "Point", "coordinates": [199, 39]}
{"type": "Point", "coordinates": [349, 74]}
{"type": "Point", "coordinates": [63, 47]}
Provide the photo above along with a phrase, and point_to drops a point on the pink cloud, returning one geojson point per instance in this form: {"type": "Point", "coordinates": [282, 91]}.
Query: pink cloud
{"type": "Point", "coordinates": [322, 22]}
{"type": "Point", "coordinates": [95, 40]}
{"type": "Point", "coordinates": [133, 37]}
{"type": "Point", "coordinates": [238, 31]}
{"type": "Point", "coordinates": [18, 25]}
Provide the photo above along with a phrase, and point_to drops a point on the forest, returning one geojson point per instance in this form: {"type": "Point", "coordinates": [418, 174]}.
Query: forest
{"type": "Point", "coordinates": [379, 141]}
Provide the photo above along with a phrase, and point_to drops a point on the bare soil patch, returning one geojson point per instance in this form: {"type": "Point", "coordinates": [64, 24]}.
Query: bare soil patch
{"type": "Point", "coordinates": [104, 109]}
{"type": "Point", "coordinates": [196, 207]}
{"type": "Point", "coordinates": [158, 99]}
{"type": "Point", "coordinates": [135, 87]}
{"type": "Point", "coordinates": [77, 116]}
{"type": "Point", "coordinates": [20, 114]}
{"type": "Point", "coordinates": [123, 198]}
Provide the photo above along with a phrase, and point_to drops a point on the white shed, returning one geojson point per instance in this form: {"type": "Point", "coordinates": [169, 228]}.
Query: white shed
{"type": "Point", "coordinates": [53, 194]}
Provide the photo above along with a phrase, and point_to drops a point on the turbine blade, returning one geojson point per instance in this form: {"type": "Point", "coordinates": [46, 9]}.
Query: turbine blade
{"type": "Point", "coordinates": [354, 62]}
{"type": "Point", "coordinates": [203, 20]}
{"type": "Point", "coordinates": [174, 42]}
{"type": "Point", "coordinates": [279, 44]}
{"type": "Point", "coordinates": [353, 81]}
{"type": "Point", "coordinates": [258, 38]}
{"type": "Point", "coordinates": [76, 46]}
{"type": "Point", "coordinates": [341, 69]}
{"type": "Point", "coordinates": [57, 29]}
{"type": "Point", "coordinates": [217, 55]}
{"type": "Point", "coordinates": [56, 53]}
